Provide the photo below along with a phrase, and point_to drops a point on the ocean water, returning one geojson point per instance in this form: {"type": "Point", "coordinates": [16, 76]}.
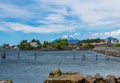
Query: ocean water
{"type": "Point", "coordinates": [27, 69]}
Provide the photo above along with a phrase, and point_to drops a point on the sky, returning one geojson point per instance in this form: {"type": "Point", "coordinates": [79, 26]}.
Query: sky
{"type": "Point", "coordinates": [47, 20]}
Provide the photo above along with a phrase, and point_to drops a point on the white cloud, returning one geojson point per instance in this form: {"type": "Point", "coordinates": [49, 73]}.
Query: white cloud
{"type": "Point", "coordinates": [31, 29]}
{"type": "Point", "coordinates": [12, 11]}
{"type": "Point", "coordinates": [99, 12]}
{"type": "Point", "coordinates": [106, 34]}
{"type": "Point", "coordinates": [77, 34]}
{"type": "Point", "coordinates": [2, 29]}
{"type": "Point", "coordinates": [52, 19]}
{"type": "Point", "coordinates": [55, 17]}
{"type": "Point", "coordinates": [94, 13]}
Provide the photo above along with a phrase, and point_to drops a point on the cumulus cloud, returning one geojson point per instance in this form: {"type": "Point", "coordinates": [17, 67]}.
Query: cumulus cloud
{"type": "Point", "coordinates": [77, 34]}
{"type": "Point", "coordinates": [62, 15]}
{"type": "Point", "coordinates": [106, 34]}
{"type": "Point", "coordinates": [52, 19]}
{"type": "Point", "coordinates": [32, 29]}
{"type": "Point", "coordinates": [55, 17]}
{"type": "Point", "coordinates": [12, 11]}
{"type": "Point", "coordinates": [2, 29]}
{"type": "Point", "coordinates": [94, 13]}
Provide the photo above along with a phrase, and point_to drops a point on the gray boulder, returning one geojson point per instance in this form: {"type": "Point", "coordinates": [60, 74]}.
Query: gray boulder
{"type": "Point", "coordinates": [110, 79]}
{"type": "Point", "coordinates": [90, 79]}
{"type": "Point", "coordinates": [5, 81]}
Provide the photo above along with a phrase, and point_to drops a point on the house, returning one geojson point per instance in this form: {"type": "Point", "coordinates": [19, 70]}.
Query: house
{"type": "Point", "coordinates": [119, 41]}
{"type": "Point", "coordinates": [34, 44]}
{"type": "Point", "coordinates": [73, 45]}
{"type": "Point", "coordinates": [111, 40]}
{"type": "Point", "coordinates": [103, 41]}
{"type": "Point", "coordinates": [15, 47]}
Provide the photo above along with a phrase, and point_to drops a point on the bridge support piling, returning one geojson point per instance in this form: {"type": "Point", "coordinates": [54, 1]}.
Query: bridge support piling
{"type": "Point", "coordinates": [107, 57]}
{"type": "Point", "coordinates": [83, 57]}
{"type": "Point", "coordinates": [18, 55]}
{"type": "Point", "coordinates": [74, 56]}
{"type": "Point", "coordinates": [96, 56]}
{"type": "Point", "coordinates": [35, 55]}
{"type": "Point", "coordinates": [4, 54]}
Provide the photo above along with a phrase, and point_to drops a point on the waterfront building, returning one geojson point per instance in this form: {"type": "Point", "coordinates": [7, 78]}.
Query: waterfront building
{"type": "Point", "coordinates": [34, 44]}
{"type": "Point", "coordinates": [112, 40]}
{"type": "Point", "coordinates": [15, 47]}
{"type": "Point", "coordinates": [119, 40]}
{"type": "Point", "coordinates": [103, 41]}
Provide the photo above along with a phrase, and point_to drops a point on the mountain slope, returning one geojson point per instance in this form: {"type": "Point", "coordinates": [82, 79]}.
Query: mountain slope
{"type": "Point", "coordinates": [70, 39]}
{"type": "Point", "coordinates": [111, 38]}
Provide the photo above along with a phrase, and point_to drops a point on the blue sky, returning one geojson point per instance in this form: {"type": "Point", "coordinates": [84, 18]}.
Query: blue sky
{"type": "Point", "coordinates": [51, 19]}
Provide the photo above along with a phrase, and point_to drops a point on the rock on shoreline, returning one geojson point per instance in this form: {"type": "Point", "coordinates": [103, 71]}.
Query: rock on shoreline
{"type": "Point", "coordinates": [5, 81]}
{"type": "Point", "coordinates": [111, 51]}
{"type": "Point", "coordinates": [79, 78]}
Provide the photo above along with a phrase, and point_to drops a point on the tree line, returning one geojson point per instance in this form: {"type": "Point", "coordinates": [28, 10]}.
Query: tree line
{"type": "Point", "coordinates": [58, 44]}
{"type": "Point", "coordinates": [36, 44]}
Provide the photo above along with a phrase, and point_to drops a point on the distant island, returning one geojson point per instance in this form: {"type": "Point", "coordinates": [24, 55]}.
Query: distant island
{"type": "Point", "coordinates": [63, 43]}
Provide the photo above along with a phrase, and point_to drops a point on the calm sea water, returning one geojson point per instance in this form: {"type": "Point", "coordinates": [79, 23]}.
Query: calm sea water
{"type": "Point", "coordinates": [28, 70]}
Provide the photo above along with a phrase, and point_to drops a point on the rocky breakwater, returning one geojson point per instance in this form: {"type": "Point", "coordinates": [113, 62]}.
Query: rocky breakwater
{"type": "Point", "coordinates": [57, 76]}
{"type": "Point", "coordinates": [111, 51]}
{"type": "Point", "coordinates": [5, 81]}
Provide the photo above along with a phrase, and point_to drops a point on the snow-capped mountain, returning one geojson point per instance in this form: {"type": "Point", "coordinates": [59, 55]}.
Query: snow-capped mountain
{"type": "Point", "coordinates": [111, 39]}
{"type": "Point", "coordinates": [70, 39]}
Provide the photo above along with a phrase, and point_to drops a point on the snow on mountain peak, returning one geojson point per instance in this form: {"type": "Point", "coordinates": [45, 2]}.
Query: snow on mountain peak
{"type": "Point", "coordinates": [68, 37]}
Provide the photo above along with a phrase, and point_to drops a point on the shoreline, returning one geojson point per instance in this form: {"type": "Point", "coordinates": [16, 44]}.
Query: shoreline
{"type": "Point", "coordinates": [57, 76]}
{"type": "Point", "coordinates": [109, 51]}
{"type": "Point", "coordinates": [50, 49]}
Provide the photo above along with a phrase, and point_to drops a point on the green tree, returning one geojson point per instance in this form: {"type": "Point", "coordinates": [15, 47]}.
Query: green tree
{"type": "Point", "coordinates": [39, 44]}
{"type": "Point", "coordinates": [90, 41]}
{"type": "Point", "coordinates": [116, 45]}
{"type": "Point", "coordinates": [6, 46]}
{"type": "Point", "coordinates": [24, 44]}
{"type": "Point", "coordinates": [60, 44]}
{"type": "Point", "coordinates": [33, 40]}
{"type": "Point", "coordinates": [45, 44]}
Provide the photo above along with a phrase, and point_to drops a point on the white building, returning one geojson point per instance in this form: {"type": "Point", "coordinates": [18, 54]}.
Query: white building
{"type": "Point", "coordinates": [34, 44]}
{"type": "Point", "coordinates": [119, 40]}
{"type": "Point", "coordinates": [112, 40]}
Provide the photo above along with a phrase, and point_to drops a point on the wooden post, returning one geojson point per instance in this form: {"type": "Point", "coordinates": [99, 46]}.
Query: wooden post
{"type": "Point", "coordinates": [4, 53]}
{"type": "Point", "coordinates": [35, 54]}
{"type": "Point", "coordinates": [108, 57]}
{"type": "Point", "coordinates": [18, 54]}
{"type": "Point", "coordinates": [74, 57]}
{"type": "Point", "coordinates": [83, 56]}
{"type": "Point", "coordinates": [64, 56]}
{"type": "Point", "coordinates": [96, 56]}
{"type": "Point", "coordinates": [105, 57]}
